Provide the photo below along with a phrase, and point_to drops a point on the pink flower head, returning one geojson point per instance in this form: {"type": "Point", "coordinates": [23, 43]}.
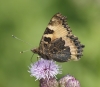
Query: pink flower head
{"type": "Point", "coordinates": [73, 83]}
{"type": "Point", "coordinates": [69, 81]}
{"type": "Point", "coordinates": [44, 69]}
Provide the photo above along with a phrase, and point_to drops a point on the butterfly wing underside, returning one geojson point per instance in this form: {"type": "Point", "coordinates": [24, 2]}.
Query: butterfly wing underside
{"type": "Point", "coordinates": [58, 42]}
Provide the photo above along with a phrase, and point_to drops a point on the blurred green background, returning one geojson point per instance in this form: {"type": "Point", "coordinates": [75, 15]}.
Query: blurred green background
{"type": "Point", "coordinates": [27, 19]}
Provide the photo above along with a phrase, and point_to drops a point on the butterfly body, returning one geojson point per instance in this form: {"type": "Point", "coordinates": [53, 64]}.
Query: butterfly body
{"type": "Point", "coordinates": [58, 42]}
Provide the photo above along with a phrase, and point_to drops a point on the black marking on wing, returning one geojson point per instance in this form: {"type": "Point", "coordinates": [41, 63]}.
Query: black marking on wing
{"type": "Point", "coordinates": [48, 31]}
{"type": "Point", "coordinates": [58, 51]}
{"type": "Point", "coordinates": [47, 39]}
{"type": "Point", "coordinates": [78, 45]}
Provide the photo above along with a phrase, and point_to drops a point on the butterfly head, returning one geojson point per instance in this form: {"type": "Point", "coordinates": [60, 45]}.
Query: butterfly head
{"type": "Point", "coordinates": [35, 50]}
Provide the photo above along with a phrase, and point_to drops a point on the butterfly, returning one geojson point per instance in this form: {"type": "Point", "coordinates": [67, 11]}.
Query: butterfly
{"type": "Point", "coordinates": [58, 43]}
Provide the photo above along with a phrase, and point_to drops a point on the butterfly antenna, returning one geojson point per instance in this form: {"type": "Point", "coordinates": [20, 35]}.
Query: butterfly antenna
{"type": "Point", "coordinates": [21, 40]}
{"type": "Point", "coordinates": [24, 51]}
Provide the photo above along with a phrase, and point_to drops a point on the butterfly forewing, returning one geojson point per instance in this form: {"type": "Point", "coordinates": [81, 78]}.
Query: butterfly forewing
{"type": "Point", "coordinates": [58, 42]}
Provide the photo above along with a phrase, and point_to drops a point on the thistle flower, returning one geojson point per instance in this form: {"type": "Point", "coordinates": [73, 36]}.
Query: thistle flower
{"type": "Point", "coordinates": [73, 83]}
{"type": "Point", "coordinates": [44, 69]}
{"type": "Point", "coordinates": [69, 81]}
{"type": "Point", "coordinates": [52, 82]}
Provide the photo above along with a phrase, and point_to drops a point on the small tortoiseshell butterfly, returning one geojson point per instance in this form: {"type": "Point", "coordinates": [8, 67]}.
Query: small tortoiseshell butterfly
{"type": "Point", "coordinates": [58, 42]}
